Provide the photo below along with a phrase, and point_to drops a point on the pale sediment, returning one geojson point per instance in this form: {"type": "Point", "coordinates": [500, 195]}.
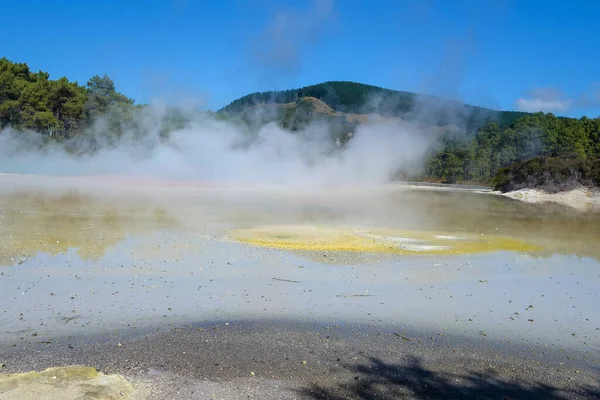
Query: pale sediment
{"type": "Point", "coordinates": [67, 383]}
{"type": "Point", "coordinates": [582, 198]}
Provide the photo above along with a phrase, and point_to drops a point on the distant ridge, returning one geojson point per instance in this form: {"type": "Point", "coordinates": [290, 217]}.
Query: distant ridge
{"type": "Point", "coordinates": [359, 98]}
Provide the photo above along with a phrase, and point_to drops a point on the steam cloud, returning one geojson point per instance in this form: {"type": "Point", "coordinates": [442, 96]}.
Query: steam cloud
{"type": "Point", "coordinates": [553, 100]}
{"type": "Point", "coordinates": [546, 100]}
{"type": "Point", "coordinates": [221, 152]}
{"type": "Point", "coordinates": [277, 51]}
{"type": "Point", "coordinates": [210, 150]}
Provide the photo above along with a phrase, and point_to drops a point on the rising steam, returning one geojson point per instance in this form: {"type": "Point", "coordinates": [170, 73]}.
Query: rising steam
{"type": "Point", "coordinates": [210, 150]}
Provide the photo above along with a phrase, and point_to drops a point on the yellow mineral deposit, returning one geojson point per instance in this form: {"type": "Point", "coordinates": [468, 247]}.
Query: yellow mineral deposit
{"type": "Point", "coordinates": [380, 240]}
{"type": "Point", "coordinates": [65, 383]}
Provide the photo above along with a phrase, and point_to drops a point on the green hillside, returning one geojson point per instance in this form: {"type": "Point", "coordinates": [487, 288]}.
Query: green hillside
{"type": "Point", "coordinates": [358, 98]}
{"type": "Point", "coordinates": [476, 144]}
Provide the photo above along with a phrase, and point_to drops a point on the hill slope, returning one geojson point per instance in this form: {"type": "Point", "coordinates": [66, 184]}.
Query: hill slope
{"type": "Point", "coordinates": [358, 98]}
{"type": "Point", "coordinates": [474, 143]}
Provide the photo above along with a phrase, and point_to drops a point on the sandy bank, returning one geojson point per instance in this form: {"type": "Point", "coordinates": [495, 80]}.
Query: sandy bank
{"type": "Point", "coordinates": [581, 199]}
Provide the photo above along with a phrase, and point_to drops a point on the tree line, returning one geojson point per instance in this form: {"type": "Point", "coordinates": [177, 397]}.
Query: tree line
{"type": "Point", "coordinates": [61, 108]}
{"type": "Point", "coordinates": [482, 156]}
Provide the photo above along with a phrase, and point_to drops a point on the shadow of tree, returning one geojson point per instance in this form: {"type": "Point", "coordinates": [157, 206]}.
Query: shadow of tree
{"type": "Point", "coordinates": [378, 380]}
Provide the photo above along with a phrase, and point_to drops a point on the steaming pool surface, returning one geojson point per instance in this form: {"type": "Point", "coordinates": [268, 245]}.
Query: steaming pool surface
{"type": "Point", "coordinates": [82, 259]}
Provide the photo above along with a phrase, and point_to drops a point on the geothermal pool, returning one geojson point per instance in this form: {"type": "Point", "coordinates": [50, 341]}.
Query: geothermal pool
{"type": "Point", "coordinates": [79, 257]}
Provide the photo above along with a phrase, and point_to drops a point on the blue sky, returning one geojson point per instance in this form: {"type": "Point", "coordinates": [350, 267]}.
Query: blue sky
{"type": "Point", "coordinates": [503, 54]}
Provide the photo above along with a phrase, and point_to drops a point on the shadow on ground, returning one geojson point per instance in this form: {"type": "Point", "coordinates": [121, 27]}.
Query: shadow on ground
{"type": "Point", "coordinates": [379, 380]}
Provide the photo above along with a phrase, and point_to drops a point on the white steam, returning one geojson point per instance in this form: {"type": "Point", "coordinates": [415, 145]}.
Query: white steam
{"type": "Point", "coordinates": [220, 152]}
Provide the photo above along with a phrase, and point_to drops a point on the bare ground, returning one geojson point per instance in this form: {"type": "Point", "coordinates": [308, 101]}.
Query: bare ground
{"type": "Point", "coordinates": [272, 360]}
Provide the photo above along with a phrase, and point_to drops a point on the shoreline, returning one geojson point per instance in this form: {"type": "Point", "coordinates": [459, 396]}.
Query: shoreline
{"type": "Point", "coordinates": [273, 359]}
{"type": "Point", "coordinates": [581, 199]}
{"type": "Point", "coordinates": [146, 185]}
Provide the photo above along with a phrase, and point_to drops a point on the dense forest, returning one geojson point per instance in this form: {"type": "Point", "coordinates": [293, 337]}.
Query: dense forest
{"type": "Point", "coordinates": [480, 157]}
{"type": "Point", "coordinates": [552, 174]}
{"type": "Point", "coordinates": [508, 149]}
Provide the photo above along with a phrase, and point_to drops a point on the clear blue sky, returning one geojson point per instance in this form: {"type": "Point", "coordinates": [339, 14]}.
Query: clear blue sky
{"type": "Point", "coordinates": [504, 54]}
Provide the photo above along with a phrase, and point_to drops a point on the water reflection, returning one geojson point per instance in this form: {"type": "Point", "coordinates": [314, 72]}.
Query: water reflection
{"type": "Point", "coordinates": [559, 229]}
{"type": "Point", "coordinates": [554, 228]}
{"type": "Point", "coordinates": [38, 222]}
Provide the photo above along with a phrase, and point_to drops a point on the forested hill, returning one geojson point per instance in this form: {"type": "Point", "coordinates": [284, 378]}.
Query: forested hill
{"type": "Point", "coordinates": [488, 144]}
{"type": "Point", "coordinates": [358, 98]}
